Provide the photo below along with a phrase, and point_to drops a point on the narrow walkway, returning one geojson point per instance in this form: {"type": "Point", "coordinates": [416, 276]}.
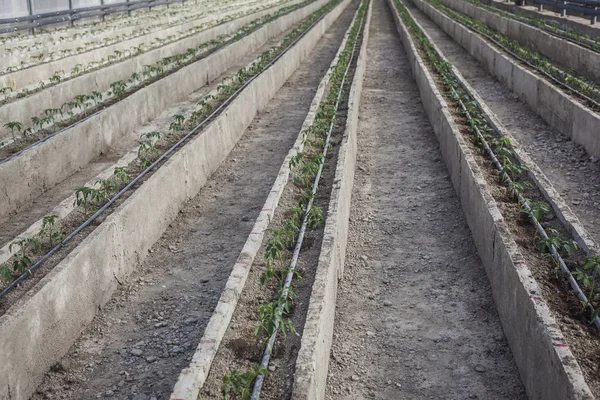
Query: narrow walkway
{"type": "Point", "coordinates": [415, 317]}
{"type": "Point", "coordinates": [565, 163]}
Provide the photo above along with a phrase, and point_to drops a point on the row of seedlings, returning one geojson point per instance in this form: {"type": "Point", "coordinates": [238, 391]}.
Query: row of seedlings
{"type": "Point", "coordinates": [285, 237]}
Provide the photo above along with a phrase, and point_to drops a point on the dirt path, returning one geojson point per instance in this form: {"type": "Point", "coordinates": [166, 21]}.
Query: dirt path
{"type": "Point", "coordinates": [139, 343]}
{"type": "Point", "coordinates": [415, 317]}
{"type": "Point", "coordinates": [573, 173]}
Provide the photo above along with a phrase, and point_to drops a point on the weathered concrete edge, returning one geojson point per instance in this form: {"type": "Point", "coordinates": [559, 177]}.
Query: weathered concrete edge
{"type": "Point", "coordinates": [547, 367]}
{"type": "Point", "coordinates": [572, 55]}
{"type": "Point", "coordinates": [312, 363]}
{"type": "Point", "coordinates": [64, 302]}
{"type": "Point", "coordinates": [74, 148]}
{"type": "Point", "coordinates": [192, 379]}
{"type": "Point", "coordinates": [573, 119]}
{"type": "Point", "coordinates": [99, 80]}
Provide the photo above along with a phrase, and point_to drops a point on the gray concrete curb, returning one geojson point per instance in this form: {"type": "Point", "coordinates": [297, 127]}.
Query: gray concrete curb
{"type": "Point", "coordinates": [50, 162]}
{"type": "Point", "coordinates": [576, 121]}
{"type": "Point", "coordinates": [569, 54]}
{"type": "Point", "coordinates": [39, 328]}
{"type": "Point", "coordinates": [192, 379]}
{"type": "Point", "coordinates": [312, 363]}
{"type": "Point", "coordinates": [548, 368]}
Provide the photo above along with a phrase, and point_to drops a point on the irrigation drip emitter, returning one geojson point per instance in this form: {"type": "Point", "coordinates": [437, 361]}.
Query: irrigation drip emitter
{"type": "Point", "coordinates": [163, 156]}
{"type": "Point", "coordinates": [143, 84]}
{"type": "Point", "coordinates": [292, 267]}
{"type": "Point", "coordinates": [525, 203]}
{"type": "Point", "coordinates": [521, 59]}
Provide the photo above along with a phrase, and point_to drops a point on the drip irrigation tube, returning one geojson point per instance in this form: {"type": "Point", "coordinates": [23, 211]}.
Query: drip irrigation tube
{"type": "Point", "coordinates": [141, 86]}
{"type": "Point", "coordinates": [564, 85]}
{"type": "Point", "coordinates": [540, 229]}
{"type": "Point", "coordinates": [174, 147]}
{"type": "Point", "coordinates": [290, 275]}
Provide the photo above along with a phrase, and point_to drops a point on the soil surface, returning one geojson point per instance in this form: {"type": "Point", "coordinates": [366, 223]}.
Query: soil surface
{"type": "Point", "coordinates": [573, 173]}
{"type": "Point", "coordinates": [415, 317]}
{"type": "Point", "coordinates": [138, 344]}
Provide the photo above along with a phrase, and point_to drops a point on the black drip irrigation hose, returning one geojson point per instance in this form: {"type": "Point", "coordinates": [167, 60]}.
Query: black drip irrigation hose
{"type": "Point", "coordinates": [556, 81]}
{"type": "Point", "coordinates": [141, 86]}
{"type": "Point", "coordinates": [174, 147]}
{"type": "Point", "coordinates": [290, 275]}
{"type": "Point", "coordinates": [540, 229]}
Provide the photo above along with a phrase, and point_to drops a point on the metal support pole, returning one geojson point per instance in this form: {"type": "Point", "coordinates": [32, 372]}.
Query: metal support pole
{"type": "Point", "coordinates": [540, 7]}
{"type": "Point", "coordinates": [71, 12]}
{"type": "Point", "coordinates": [564, 10]}
{"type": "Point", "coordinates": [102, 3]}
{"type": "Point", "coordinates": [594, 17]}
{"type": "Point", "coordinates": [30, 9]}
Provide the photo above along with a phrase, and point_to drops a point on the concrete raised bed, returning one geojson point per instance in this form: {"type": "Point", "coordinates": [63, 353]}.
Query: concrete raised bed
{"type": "Point", "coordinates": [563, 52]}
{"type": "Point", "coordinates": [39, 329]}
{"type": "Point", "coordinates": [571, 22]}
{"type": "Point", "coordinates": [24, 109]}
{"type": "Point", "coordinates": [312, 364]}
{"type": "Point", "coordinates": [567, 115]}
{"type": "Point", "coordinates": [56, 159]}
{"type": "Point", "coordinates": [546, 364]}
{"type": "Point", "coordinates": [31, 76]}
{"type": "Point", "coordinates": [192, 379]}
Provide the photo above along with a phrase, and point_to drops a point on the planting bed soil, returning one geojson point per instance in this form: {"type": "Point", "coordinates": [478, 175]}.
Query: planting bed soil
{"type": "Point", "coordinates": [187, 268]}
{"type": "Point", "coordinates": [571, 170]}
{"type": "Point", "coordinates": [410, 261]}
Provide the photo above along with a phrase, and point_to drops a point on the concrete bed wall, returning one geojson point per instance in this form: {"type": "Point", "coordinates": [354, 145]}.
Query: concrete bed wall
{"type": "Point", "coordinates": [576, 121]}
{"type": "Point", "coordinates": [312, 363]}
{"type": "Point", "coordinates": [64, 302]}
{"type": "Point", "coordinates": [24, 109]}
{"type": "Point", "coordinates": [568, 54]}
{"type": "Point", "coordinates": [56, 159]}
{"type": "Point", "coordinates": [546, 365]}
{"type": "Point", "coordinates": [32, 75]}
